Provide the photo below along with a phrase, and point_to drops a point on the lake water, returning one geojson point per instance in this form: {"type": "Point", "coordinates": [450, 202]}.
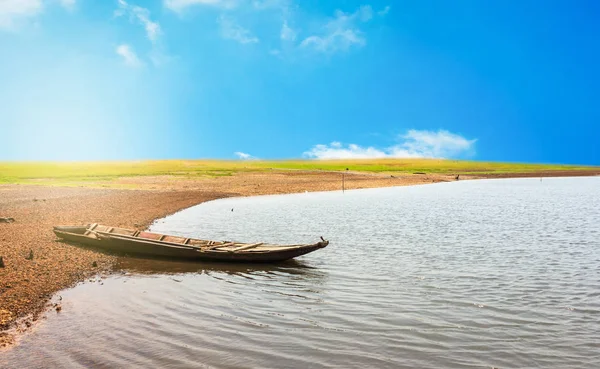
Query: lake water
{"type": "Point", "coordinates": [473, 274]}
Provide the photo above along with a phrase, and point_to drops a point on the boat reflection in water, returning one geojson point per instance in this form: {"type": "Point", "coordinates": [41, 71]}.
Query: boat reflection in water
{"type": "Point", "coordinates": [144, 266]}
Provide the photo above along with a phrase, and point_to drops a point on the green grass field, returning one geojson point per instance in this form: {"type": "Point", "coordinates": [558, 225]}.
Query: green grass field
{"type": "Point", "coordinates": [62, 172]}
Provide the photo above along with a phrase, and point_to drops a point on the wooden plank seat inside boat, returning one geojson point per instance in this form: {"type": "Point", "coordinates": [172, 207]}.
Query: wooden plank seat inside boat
{"type": "Point", "coordinates": [151, 236]}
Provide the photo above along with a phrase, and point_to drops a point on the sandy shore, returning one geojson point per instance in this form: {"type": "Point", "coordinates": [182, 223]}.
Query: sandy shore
{"type": "Point", "coordinates": [26, 285]}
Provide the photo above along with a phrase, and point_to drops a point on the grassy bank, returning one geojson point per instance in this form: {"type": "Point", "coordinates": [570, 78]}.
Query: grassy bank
{"type": "Point", "coordinates": [65, 173]}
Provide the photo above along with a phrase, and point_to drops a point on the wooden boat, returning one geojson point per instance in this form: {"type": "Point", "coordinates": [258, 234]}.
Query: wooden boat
{"type": "Point", "coordinates": [129, 241]}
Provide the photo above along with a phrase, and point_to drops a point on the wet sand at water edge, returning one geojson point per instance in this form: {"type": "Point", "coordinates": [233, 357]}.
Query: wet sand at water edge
{"type": "Point", "coordinates": [36, 265]}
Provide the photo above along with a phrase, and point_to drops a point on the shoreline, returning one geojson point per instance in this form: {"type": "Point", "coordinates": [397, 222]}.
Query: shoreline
{"type": "Point", "coordinates": [27, 285]}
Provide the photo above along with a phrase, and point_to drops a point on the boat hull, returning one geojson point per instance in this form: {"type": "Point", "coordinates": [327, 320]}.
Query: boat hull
{"type": "Point", "coordinates": [152, 248]}
{"type": "Point", "coordinates": [257, 257]}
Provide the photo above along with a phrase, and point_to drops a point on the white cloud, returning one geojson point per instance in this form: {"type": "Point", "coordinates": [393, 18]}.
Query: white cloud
{"type": "Point", "coordinates": [140, 15]}
{"type": "Point", "coordinates": [233, 31]}
{"type": "Point", "coordinates": [384, 11]}
{"type": "Point", "coordinates": [68, 4]}
{"type": "Point", "coordinates": [336, 150]}
{"type": "Point", "coordinates": [440, 144]}
{"type": "Point", "coordinates": [341, 32]}
{"type": "Point", "coordinates": [365, 13]}
{"type": "Point", "coordinates": [244, 156]}
{"type": "Point", "coordinates": [335, 41]}
{"type": "Point", "coordinates": [180, 5]}
{"type": "Point", "coordinates": [129, 56]}
{"type": "Point", "coordinates": [270, 4]}
{"type": "Point", "coordinates": [152, 28]}
{"type": "Point", "coordinates": [413, 144]}
{"type": "Point", "coordinates": [12, 11]}
{"type": "Point", "coordinates": [287, 33]}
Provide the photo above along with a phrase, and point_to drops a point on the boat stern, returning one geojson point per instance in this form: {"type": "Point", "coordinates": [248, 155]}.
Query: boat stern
{"type": "Point", "coordinates": [58, 230]}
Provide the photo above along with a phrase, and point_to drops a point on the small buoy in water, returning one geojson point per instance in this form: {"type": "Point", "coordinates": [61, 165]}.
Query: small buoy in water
{"type": "Point", "coordinates": [231, 209]}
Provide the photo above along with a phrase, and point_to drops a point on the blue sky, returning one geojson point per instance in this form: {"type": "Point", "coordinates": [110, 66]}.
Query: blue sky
{"type": "Point", "coordinates": [484, 80]}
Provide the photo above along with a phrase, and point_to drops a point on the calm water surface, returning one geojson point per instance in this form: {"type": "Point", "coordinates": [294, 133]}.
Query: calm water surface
{"type": "Point", "coordinates": [481, 274]}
